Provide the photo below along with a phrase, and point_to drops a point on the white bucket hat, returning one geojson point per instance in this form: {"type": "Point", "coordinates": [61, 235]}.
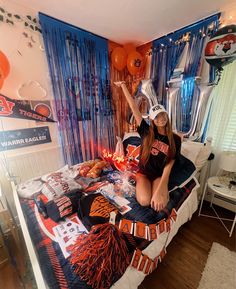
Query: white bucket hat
{"type": "Point", "coordinates": [155, 110]}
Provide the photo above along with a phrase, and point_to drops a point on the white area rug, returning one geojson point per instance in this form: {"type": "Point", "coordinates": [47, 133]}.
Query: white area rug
{"type": "Point", "coordinates": [220, 269]}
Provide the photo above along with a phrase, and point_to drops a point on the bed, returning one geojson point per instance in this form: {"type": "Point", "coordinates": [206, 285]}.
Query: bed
{"type": "Point", "coordinates": [54, 269]}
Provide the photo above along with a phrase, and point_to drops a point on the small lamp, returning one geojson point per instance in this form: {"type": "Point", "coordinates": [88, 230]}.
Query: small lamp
{"type": "Point", "coordinates": [228, 164]}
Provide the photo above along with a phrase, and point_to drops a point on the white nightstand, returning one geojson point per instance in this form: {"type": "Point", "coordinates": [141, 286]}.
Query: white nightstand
{"type": "Point", "coordinates": [218, 185]}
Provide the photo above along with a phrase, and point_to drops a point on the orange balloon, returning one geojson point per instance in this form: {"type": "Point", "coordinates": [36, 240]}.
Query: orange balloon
{"type": "Point", "coordinates": [1, 82]}
{"type": "Point", "coordinates": [119, 58]}
{"type": "Point", "coordinates": [4, 64]}
{"type": "Point", "coordinates": [134, 62]}
{"type": "Point", "coordinates": [129, 47]}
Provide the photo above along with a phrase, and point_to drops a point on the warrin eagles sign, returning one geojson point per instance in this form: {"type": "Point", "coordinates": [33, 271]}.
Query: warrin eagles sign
{"type": "Point", "coordinates": [13, 139]}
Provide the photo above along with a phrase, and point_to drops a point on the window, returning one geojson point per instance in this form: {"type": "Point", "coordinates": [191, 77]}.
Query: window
{"type": "Point", "coordinates": [222, 119]}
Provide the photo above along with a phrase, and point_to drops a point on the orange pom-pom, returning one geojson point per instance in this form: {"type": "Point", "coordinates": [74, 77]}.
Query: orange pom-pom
{"type": "Point", "coordinates": [101, 257]}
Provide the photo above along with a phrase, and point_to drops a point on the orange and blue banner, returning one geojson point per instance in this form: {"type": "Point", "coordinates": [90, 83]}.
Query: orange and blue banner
{"type": "Point", "coordinates": [15, 109]}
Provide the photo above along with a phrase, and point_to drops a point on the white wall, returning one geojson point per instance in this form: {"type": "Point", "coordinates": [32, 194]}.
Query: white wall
{"type": "Point", "coordinates": [27, 64]}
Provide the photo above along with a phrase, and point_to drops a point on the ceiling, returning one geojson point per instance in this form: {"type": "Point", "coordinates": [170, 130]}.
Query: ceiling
{"type": "Point", "coordinates": [131, 21]}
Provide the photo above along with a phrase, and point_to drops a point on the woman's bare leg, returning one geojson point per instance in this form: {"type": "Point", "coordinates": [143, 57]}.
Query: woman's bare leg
{"type": "Point", "coordinates": [160, 196]}
{"type": "Point", "coordinates": [143, 190]}
{"type": "Point", "coordinates": [155, 184]}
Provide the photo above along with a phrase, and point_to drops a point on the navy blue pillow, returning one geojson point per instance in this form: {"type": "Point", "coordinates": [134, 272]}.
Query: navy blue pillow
{"type": "Point", "coordinates": [131, 143]}
{"type": "Point", "coordinates": [181, 171]}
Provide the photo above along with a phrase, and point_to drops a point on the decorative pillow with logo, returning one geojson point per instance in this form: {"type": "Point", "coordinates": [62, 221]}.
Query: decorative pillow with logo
{"type": "Point", "coordinates": [126, 156]}
{"type": "Point", "coordinates": [132, 143]}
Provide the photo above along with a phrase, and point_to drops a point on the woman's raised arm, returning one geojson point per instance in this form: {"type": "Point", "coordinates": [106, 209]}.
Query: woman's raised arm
{"type": "Point", "coordinates": [132, 104]}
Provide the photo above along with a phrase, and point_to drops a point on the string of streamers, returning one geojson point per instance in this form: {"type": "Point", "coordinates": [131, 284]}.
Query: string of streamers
{"type": "Point", "coordinates": [79, 70]}
{"type": "Point", "coordinates": [121, 107]}
{"type": "Point", "coordinates": [166, 55]}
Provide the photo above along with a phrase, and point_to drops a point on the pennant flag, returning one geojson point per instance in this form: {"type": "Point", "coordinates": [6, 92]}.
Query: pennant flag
{"type": "Point", "coordinates": [155, 263]}
{"type": "Point", "coordinates": [143, 262]}
{"type": "Point", "coordinates": [152, 233]}
{"type": "Point", "coordinates": [11, 108]}
{"type": "Point", "coordinates": [162, 226]}
{"type": "Point", "coordinates": [173, 215]}
{"type": "Point", "coordinates": [140, 230]}
{"type": "Point", "coordinates": [126, 226]}
{"type": "Point", "coordinates": [148, 267]}
{"type": "Point", "coordinates": [136, 258]}
{"type": "Point", "coordinates": [168, 224]}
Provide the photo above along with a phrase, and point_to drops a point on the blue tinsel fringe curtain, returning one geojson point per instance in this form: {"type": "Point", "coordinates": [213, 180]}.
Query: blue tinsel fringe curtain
{"type": "Point", "coordinates": [166, 53]}
{"type": "Point", "coordinates": [80, 75]}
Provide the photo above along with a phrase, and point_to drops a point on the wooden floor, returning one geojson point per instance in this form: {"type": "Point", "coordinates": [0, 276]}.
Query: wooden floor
{"type": "Point", "coordinates": [187, 253]}
{"type": "Point", "coordinates": [17, 272]}
{"type": "Point", "coordinates": [181, 267]}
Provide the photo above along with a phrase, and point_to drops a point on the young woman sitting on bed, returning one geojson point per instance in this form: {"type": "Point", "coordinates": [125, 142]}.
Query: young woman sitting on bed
{"type": "Point", "coordinates": [160, 147]}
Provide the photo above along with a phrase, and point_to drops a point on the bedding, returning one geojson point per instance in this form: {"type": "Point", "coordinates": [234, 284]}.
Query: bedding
{"type": "Point", "coordinates": [197, 152]}
{"type": "Point", "coordinates": [112, 192]}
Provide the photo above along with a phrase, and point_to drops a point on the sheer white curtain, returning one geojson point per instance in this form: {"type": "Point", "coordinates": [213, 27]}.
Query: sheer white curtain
{"type": "Point", "coordinates": [222, 118]}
